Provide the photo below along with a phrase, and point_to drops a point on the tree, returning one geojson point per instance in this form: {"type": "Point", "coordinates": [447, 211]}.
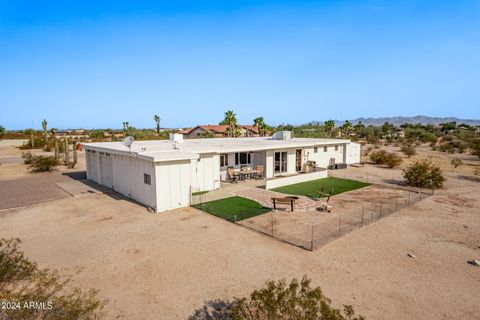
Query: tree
{"type": "Point", "coordinates": [423, 174]}
{"type": "Point", "coordinates": [387, 129]}
{"type": "Point", "coordinates": [296, 301]}
{"type": "Point", "coordinates": [347, 128]}
{"type": "Point", "coordinates": [2, 131]}
{"type": "Point", "coordinates": [329, 125]}
{"type": "Point", "coordinates": [125, 125]}
{"type": "Point", "coordinates": [231, 121]}
{"type": "Point", "coordinates": [22, 282]}
{"type": "Point", "coordinates": [448, 126]}
{"type": "Point", "coordinates": [260, 124]}
{"type": "Point", "coordinates": [45, 130]}
{"type": "Point", "coordinates": [157, 119]}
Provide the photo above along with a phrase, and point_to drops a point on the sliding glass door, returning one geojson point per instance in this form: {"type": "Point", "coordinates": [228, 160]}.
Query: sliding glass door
{"type": "Point", "coordinates": [280, 162]}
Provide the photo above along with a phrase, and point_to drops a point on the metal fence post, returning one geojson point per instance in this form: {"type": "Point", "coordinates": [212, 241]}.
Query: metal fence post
{"type": "Point", "coordinates": [363, 211]}
{"type": "Point", "coordinates": [311, 244]}
{"type": "Point", "coordinates": [272, 224]}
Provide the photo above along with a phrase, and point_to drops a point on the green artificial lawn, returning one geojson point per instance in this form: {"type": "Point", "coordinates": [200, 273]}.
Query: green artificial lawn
{"type": "Point", "coordinates": [228, 208]}
{"type": "Point", "coordinates": [310, 188]}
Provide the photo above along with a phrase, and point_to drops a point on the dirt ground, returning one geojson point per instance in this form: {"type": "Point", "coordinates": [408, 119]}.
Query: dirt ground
{"type": "Point", "coordinates": [166, 266]}
{"type": "Point", "coordinates": [351, 210]}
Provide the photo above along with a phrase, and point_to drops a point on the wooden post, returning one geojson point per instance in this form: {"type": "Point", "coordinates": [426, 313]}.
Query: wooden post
{"type": "Point", "coordinates": [380, 215]}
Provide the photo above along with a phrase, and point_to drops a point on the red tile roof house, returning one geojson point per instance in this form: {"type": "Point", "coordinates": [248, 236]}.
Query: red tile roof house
{"type": "Point", "coordinates": [221, 131]}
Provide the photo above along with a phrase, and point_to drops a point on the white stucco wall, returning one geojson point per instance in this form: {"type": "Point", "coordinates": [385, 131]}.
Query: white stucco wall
{"type": "Point", "coordinates": [322, 158]}
{"type": "Point", "coordinates": [128, 178]}
{"type": "Point", "coordinates": [353, 152]}
{"type": "Point", "coordinates": [173, 181]}
{"type": "Point", "coordinates": [205, 172]}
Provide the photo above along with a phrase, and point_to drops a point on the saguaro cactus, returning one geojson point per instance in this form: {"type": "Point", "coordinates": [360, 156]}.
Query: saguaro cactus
{"type": "Point", "coordinates": [45, 131]}
{"type": "Point", "coordinates": [75, 156]}
{"type": "Point", "coordinates": [57, 151]}
{"type": "Point", "coordinates": [67, 152]}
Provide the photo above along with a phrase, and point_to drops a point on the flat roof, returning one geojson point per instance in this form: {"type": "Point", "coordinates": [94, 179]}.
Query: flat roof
{"type": "Point", "coordinates": [163, 150]}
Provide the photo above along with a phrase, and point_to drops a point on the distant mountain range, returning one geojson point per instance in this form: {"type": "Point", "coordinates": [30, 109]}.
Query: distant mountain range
{"type": "Point", "coordinates": [416, 119]}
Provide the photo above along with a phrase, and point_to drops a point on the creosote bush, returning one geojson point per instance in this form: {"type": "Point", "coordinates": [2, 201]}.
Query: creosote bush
{"type": "Point", "coordinates": [423, 174]}
{"type": "Point", "coordinates": [22, 282]}
{"type": "Point", "coordinates": [382, 157]}
{"type": "Point", "coordinates": [296, 301]}
{"type": "Point", "coordinates": [408, 150]}
{"type": "Point", "coordinates": [42, 163]}
{"type": "Point", "coordinates": [456, 162]}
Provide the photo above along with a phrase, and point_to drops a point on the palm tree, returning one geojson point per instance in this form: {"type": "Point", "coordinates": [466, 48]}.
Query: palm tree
{"type": "Point", "coordinates": [329, 126]}
{"type": "Point", "coordinates": [125, 125]}
{"type": "Point", "coordinates": [347, 128]}
{"type": "Point", "coordinates": [231, 121]}
{"type": "Point", "coordinates": [260, 124]}
{"type": "Point", "coordinates": [157, 119]}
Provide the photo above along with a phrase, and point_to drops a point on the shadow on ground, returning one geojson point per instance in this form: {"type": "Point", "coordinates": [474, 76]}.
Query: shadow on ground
{"type": "Point", "coordinates": [214, 310]}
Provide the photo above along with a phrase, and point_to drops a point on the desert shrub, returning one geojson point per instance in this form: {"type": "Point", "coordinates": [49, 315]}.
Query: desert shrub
{"type": "Point", "coordinates": [475, 147]}
{"type": "Point", "coordinates": [42, 163]}
{"type": "Point", "coordinates": [27, 157]}
{"type": "Point", "coordinates": [408, 150]}
{"type": "Point", "coordinates": [456, 162]}
{"type": "Point", "coordinates": [423, 174]}
{"type": "Point", "coordinates": [38, 142]}
{"type": "Point", "coordinates": [392, 160]}
{"type": "Point", "coordinates": [476, 170]}
{"type": "Point", "coordinates": [381, 157]}
{"type": "Point", "coordinates": [22, 281]}
{"type": "Point", "coordinates": [297, 300]}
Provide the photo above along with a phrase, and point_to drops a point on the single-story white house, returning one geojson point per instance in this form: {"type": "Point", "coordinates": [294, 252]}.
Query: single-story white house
{"type": "Point", "coordinates": [163, 173]}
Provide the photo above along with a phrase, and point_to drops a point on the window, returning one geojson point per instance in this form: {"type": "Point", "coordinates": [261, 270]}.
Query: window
{"type": "Point", "coordinates": [223, 160]}
{"type": "Point", "coordinates": [242, 158]}
{"type": "Point", "coordinates": [93, 151]}
{"type": "Point", "coordinates": [336, 148]}
{"type": "Point", "coordinates": [315, 150]}
{"type": "Point", "coordinates": [107, 154]}
{"type": "Point", "coordinates": [102, 153]}
{"type": "Point", "coordinates": [147, 179]}
{"type": "Point", "coordinates": [325, 149]}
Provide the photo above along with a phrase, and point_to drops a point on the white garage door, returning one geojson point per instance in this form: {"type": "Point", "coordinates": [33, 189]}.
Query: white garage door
{"type": "Point", "coordinates": [92, 167]}
{"type": "Point", "coordinates": [107, 171]}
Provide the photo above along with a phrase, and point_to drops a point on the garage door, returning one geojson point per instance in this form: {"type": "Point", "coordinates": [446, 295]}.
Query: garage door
{"type": "Point", "coordinates": [107, 171]}
{"type": "Point", "coordinates": [92, 167]}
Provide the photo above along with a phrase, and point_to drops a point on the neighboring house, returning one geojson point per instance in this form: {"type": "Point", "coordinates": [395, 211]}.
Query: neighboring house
{"type": "Point", "coordinates": [163, 173]}
{"type": "Point", "coordinates": [219, 131]}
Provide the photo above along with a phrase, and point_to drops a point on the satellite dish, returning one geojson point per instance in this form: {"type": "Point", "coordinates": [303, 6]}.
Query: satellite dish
{"type": "Point", "coordinates": [127, 142]}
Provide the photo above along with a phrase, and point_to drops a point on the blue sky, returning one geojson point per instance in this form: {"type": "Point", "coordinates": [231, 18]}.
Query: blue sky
{"type": "Point", "coordinates": [96, 64]}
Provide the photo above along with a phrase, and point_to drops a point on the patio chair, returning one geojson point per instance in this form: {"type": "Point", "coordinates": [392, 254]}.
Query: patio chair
{"type": "Point", "coordinates": [260, 171]}
{"type": "Point", "coordinates": [232, 175]}
{"type": "Point", "coordinates": [326, 192]}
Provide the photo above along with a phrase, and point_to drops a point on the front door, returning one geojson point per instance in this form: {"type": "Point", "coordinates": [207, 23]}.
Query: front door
{"type": "Point", "coordinates": [298, 160]}
{"type": "Point", "coordinates": [280, 162]}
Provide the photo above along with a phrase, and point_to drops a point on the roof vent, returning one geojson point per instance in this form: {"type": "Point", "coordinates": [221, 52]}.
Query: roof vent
{"type": "Point", "coordinates": [282, 135]}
